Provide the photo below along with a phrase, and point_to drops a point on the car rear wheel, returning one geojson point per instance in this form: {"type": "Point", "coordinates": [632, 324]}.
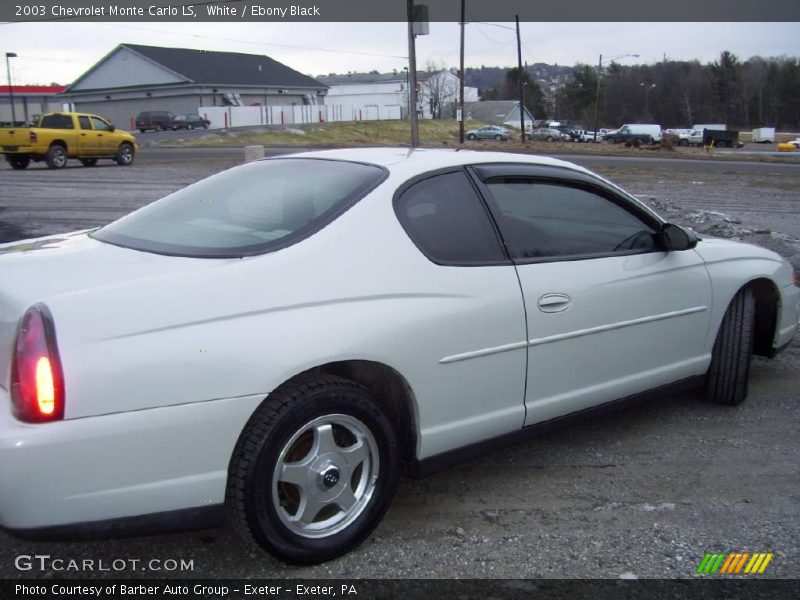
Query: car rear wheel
{"type": "Point", "coordinates": [125, 154]}
{"type": "Point", "coordinates": [549, 138]}
{"type": "Point", "coordinates": [189, 126]}
{"type": "Point", "coordinates": [313, 471]}
{"type": "Point", "coordinates": [88, 162]}
{"type": "Point", "coordinates": [498, 137]}
{"type": "Point", "coordinates": [57, 157]}
{"type": "Point", "coordinates": [684, 143]}
{"type": "Point", "coordinates": [728, 374]}
{"type": "Point", "coordinates": [19, 162]}
{"type": "Point", "coordinates": [472, 136]}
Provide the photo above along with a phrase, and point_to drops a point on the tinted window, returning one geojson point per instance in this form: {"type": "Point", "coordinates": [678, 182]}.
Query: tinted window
{"type": "Point", "coordinates": [250, 209]}
{"type": "Point", "coordinates": [83, 122]}
{"type": "Point", "coordinates": [542, 220]}
{"type": "Point", "coordinates": [445, 218]}
{"type": "Point", "coordinates": [57, 122]}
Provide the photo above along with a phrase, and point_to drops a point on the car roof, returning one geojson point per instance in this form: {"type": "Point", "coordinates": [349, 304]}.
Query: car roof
{"type": "Point", "coordinates": [408, 162]}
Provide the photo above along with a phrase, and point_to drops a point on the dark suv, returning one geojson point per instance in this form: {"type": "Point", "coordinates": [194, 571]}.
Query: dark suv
{"type": "Point", "coordinates": [157, 120]}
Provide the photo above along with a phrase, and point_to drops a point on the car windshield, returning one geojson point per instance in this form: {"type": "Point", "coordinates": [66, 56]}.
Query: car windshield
{"type": "Point", "coordinates": [251, 209]}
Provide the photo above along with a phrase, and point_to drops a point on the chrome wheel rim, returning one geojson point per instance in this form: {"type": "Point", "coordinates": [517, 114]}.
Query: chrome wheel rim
{"type": "Point", "coordinates": [126, 154]}
{"type": "Point", "coordinates": [59, 157]}
{"type": "Point", "coordinates": [325, 476]}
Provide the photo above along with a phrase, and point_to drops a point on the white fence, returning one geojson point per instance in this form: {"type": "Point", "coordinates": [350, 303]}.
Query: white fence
{"type": "Point", "coordinates": [222, 117]}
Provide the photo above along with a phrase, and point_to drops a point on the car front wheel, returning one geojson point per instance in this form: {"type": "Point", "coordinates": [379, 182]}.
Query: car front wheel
{"type": "Point", "coordinates": [314, 470]}
{"type": "Point", "coordinates": [728, 374]}
{"type": "Point", "coordinates": [125, 154]}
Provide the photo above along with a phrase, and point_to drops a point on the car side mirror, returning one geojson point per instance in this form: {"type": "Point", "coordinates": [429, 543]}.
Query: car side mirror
{"type": "Point", "coordinates": [112, 128]}
{"type": "Point", "coordinates": [674, 238]}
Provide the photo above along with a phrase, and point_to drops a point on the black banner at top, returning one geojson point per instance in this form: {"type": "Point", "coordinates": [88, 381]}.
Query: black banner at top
{"type": "Point", "coordinates": [395, 10]}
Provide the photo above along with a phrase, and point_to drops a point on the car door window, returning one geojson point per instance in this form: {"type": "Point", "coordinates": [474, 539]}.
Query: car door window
{"type": "Point", "coordinates": [100, 124]}
{"type": "Point", "coordinates": [83, 122]}
{"type": "Point", "coordinates": [545, 220]}
{"type": "Point", "coordinates": [447, 221]}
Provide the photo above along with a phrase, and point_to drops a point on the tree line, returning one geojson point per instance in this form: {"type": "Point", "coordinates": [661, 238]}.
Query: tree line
{"type": "Point", "coordinates": [754, 93]}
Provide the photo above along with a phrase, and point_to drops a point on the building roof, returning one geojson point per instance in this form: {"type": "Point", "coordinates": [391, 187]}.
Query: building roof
{"type": "Point", "coordinates": [219, 68]}
{"type": "Point", "coordinates": [493, 111]}
{"type": "Point", "coordinates": [356, 78]}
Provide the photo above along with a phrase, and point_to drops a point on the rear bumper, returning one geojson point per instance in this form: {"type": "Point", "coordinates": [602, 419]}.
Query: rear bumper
{"type": "Point", "coordinates": [116, 466]}
{"type": "Point", "coordinates": [12, 150]}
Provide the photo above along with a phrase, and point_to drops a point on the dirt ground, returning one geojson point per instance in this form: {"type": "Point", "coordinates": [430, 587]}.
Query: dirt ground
{"type": "Point", "coordinates": [641, 493]}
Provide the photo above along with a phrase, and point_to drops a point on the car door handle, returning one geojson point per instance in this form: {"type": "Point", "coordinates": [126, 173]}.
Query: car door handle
{"type": "Point", "coordinates": [83, 135]}
{"type": "Point", "coordinates": [552, 303]}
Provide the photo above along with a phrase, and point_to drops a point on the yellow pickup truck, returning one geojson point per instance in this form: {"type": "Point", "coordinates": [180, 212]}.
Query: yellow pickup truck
{"type": "Point", "coordinates": [58, 137]}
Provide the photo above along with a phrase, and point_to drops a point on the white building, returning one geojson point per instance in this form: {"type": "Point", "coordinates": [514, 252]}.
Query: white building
{"type": "Point", "coordinates": [384, 93]}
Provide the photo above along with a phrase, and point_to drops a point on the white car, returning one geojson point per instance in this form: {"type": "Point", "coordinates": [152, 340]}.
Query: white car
{"type": "Point", "coordinates": [282, 338]}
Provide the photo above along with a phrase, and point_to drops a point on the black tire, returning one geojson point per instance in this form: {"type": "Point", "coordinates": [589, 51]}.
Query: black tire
{"type": "Point", "coordinates": [142, 130]}
{"type": "Point", "coordinates": [189, 126]}
{"type": "Point", "coordinates": [125, 155]}
{"type": "Point", "coordinates": [472, 136]}
{"type": "Point", "coordinates": [549, 138]}
{"type": "Point", "coordinates": [498, 137]}
{"type": "Point", "coordinates": [19, 162]}
{"type": "Point", "coordinates": [277, 435]}
{"type": "Point", "coordinates": [684, 143]}
{"type": "Point", "coordinates": [612, 140]}
{"type": "Point", "coordinates": [57, 157]}
{"type": "Point", "coordinates": [728, 374]}
{"type": "Point", "coordinates": [88, 162]}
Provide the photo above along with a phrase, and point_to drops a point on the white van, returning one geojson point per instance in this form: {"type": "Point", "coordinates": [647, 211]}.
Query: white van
{"type": "Point", "coordinates": [644, 133]}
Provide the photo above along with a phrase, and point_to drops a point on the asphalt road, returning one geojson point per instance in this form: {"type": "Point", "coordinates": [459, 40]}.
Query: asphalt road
{"type": "Point", "coordinates": [644, 492]}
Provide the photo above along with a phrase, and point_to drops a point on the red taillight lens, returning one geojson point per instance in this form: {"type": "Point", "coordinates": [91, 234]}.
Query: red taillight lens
{"type": "Point", "coordinates": [37, 383]}
{"type": "Point", "coordinates": [34, 137]}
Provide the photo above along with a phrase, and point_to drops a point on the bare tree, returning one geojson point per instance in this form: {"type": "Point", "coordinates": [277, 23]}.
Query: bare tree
{"type": "Point", "coordinates": [439, 89]}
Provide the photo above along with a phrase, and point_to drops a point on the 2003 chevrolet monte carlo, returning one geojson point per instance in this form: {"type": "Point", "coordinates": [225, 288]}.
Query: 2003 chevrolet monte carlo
{"type": "Point", "coordinates": [282, 339]}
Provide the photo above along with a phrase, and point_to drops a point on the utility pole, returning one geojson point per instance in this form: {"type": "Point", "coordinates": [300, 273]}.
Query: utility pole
{"type": "Point", "coordinates": [412, 71]}
{"type": "Point", "coordinates": [461, 76]}
{"type": "Point", "coordinates": [521, 88]}
{"type": "Point", "coordinates": [597, 95]}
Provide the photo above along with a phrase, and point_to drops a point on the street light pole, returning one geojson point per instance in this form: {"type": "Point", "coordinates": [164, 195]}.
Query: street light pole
{"type": "Point", "coordinates": [647, 90]}
{"type": "Point", "coordinates": [597, 93]}
{"type": "Point", "coordinates": [10, 88]}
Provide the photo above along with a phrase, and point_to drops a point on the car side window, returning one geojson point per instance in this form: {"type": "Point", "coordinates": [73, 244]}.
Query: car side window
{"type": "Point", "coordinates": [83, 123]}
{"type": "Point", "coordinates": [544, 220]}
{"type": "Point", "coordinates": [100, 124]}
{"type": "Point", "coordinates": [445, 218]}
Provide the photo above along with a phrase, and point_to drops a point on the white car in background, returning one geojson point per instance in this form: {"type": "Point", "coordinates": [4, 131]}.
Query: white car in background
{"type": "Point", "coordinates": [282, 338]}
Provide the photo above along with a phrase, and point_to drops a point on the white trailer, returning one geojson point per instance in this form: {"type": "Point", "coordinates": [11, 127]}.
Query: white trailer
{"type": "Point", "coordinates": [712, 127]}
{"type": "Point", "coordinates": [763, 135]}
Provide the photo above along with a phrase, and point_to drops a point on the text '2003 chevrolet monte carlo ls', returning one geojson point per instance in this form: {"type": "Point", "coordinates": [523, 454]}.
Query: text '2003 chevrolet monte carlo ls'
{"type": "Point", "coordinates": [282, 339]}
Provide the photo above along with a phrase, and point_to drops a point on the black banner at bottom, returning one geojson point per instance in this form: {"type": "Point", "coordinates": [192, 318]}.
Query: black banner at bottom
{"type": "Point", "coordinates": [435, 589]}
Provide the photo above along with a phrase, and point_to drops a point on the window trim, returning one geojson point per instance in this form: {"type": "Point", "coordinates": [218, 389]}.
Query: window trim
{"type": "Point", "coordinates": [275, 245]}
{"type": "Point", "coordinates": [564, 176]}
{"type": "Point", "coordinates": [406, 226]}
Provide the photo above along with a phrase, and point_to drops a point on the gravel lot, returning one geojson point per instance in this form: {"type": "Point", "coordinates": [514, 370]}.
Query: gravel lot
{"type": "Point", "coordinates": [644, 492]}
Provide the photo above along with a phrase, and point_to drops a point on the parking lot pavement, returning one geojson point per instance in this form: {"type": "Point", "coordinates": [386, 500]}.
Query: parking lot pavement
{"type": "Point", "coordinates": [642, 492]}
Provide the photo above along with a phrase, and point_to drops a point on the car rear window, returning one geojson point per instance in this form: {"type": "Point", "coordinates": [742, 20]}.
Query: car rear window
{"type": "Point", "coordinates": [251, 209]}
{"type": "Point", "coordinates": [57, 122]}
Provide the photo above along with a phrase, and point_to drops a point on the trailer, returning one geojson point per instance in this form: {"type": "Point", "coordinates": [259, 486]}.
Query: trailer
{"type": "Point", "coordinates": [764, 135]}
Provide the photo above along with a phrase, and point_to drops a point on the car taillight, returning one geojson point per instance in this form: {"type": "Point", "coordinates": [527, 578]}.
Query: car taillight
{"type": "Point", "coordinates": [37, 382]}
{"type": "Point", "coordinates": [34, 137]}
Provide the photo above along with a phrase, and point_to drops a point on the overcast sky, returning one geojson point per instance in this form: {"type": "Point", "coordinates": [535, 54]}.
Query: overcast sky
{"type": "Point", "coordinates": [61, 52]}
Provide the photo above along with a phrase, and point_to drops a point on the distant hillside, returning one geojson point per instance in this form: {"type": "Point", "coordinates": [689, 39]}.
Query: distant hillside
{"type": "Point", "coordinates": [547, 76]}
